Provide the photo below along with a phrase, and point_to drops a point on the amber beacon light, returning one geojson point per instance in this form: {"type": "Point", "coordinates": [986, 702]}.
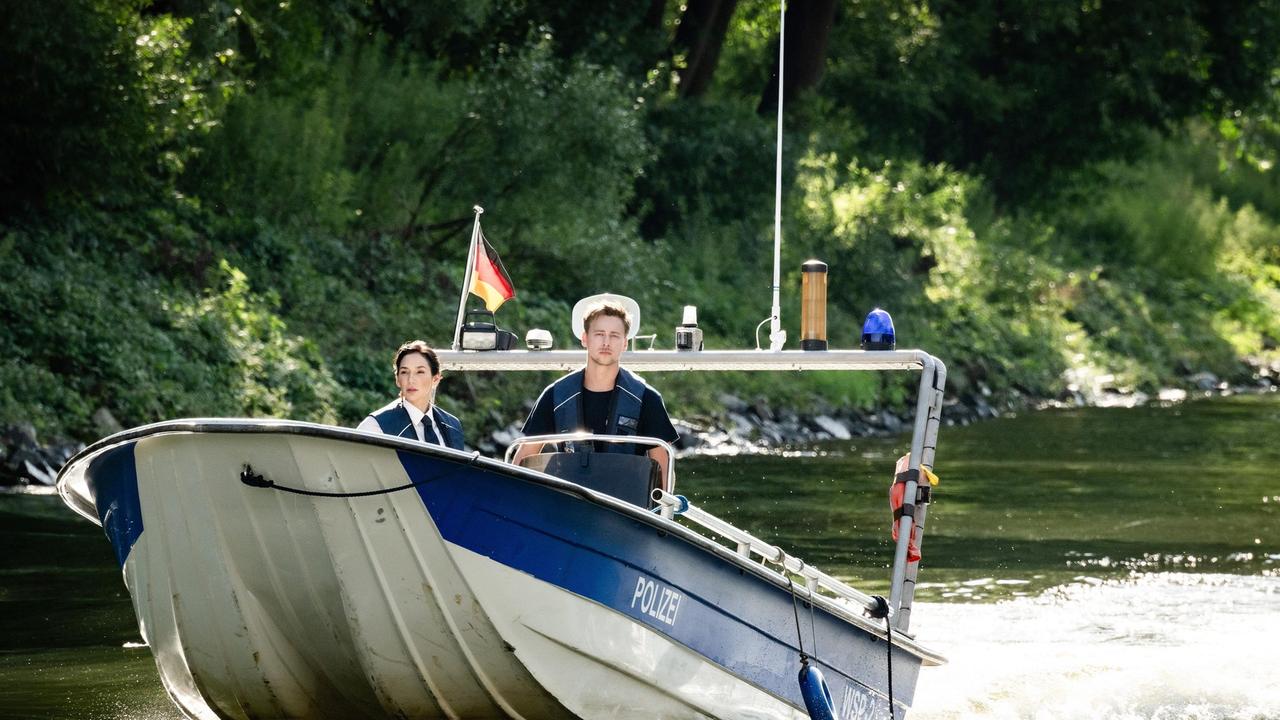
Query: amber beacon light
{"type": "Point", "coordinates": [813, 305]}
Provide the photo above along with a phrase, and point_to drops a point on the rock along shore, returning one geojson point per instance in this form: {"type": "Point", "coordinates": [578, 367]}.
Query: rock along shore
{"type": "Point", "coordinates": [753, 426]}
{"type": "Point", "coordinates": [742, 427]}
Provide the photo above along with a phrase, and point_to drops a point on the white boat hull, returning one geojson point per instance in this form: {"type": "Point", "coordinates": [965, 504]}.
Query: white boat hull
{"type": "Point", "coordinates": [603, 665]}
{"type": "Point", "coordinates": [305, 608]}
{"type": "Point", "coordinates": [469, 590]}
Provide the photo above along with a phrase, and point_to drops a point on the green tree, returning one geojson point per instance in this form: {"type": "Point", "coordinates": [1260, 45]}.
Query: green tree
{"type": "Point", "coordinates": [73, 111]}
{"type": "Point", "coordinates": [1022, 90]}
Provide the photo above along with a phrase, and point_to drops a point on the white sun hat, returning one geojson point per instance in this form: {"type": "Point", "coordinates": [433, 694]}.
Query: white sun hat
{"type": "Point", "coordinates": [583, 305]}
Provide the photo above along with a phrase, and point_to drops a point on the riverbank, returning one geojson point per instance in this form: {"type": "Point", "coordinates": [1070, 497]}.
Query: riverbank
{"type": "Point", "coordinates": [744, 426]}
{"type": "Point", "coordinates": [753, 426]}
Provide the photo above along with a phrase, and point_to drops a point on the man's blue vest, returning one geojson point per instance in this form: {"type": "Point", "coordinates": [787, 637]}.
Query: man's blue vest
{"type": "Point", "coordinates": [395, 421]}
{"type": "Point", "coordinates": [624, 409]}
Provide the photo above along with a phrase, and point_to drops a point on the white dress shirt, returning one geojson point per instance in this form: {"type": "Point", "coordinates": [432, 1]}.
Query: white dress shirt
{"type": "Point", "coordinates": [369, 424]}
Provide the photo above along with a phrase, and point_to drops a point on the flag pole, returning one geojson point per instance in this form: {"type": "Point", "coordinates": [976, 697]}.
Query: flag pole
{"type": "Point", "coordinates": [466, 278]}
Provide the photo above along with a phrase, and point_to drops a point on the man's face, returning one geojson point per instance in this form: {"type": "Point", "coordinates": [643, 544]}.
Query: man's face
{"type": "Point", "coordinates": [605, 340]}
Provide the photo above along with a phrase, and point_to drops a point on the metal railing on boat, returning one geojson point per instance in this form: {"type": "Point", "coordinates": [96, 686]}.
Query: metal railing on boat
{"type": "Point", "coordinates": [748, 545]}
{"type": "Point", "coordinates": [675, 360]}
{"type": "Point", "coordinates": [924, 435]}
{"type": "Point", "coordinates": [669, 505]}
{"type": "Point", "coordinates": [668, 480]}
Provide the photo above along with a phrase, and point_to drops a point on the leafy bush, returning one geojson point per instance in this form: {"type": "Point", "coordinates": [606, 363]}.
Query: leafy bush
{"type": "Point", "coordinates": [264, 370]}
{"type": "Point", "coordinates": [83, 331]}
{"type": "Point", "coordinates": [225, 210]}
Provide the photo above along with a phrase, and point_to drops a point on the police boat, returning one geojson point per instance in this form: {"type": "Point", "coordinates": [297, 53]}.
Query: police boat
{"type": "Point", "coordinates": [291, 570]}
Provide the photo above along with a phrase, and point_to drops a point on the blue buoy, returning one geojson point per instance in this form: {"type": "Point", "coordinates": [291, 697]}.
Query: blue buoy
{"type": "Point", "coordinates": [817, 697]}
{"type": "Point", "coordinates": [877, 331]}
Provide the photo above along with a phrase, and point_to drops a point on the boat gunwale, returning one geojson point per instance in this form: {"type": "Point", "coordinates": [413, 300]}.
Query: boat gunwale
{"type": "Point", "coordinates": [74, 468]}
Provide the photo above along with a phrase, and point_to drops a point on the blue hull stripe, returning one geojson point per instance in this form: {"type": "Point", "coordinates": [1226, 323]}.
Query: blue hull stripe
{"type": "Point", "coordinates": [728, 615]}
{"type": "Point", "coordinates": [697, 599]}
{"type": "Point", "coordinates": [113, 475]}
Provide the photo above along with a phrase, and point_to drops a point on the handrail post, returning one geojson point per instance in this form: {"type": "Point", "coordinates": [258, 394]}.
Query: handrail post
{"type": "Point", "coordinates": [935, 392]}
{"type": "Point", "coordinates": [924, 403]}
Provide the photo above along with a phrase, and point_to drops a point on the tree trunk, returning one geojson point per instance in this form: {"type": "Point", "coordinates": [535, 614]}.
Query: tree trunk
{"type": "Point", "coordinates": [701, 36]}
{"type": "Point", "coordinates": [808, 30]}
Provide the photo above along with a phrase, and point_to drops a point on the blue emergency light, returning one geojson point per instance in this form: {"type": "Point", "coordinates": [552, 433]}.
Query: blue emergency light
{"type": "Point", "coordinates": [877, 331]}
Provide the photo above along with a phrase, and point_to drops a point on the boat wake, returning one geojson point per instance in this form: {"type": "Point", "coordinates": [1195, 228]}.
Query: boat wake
{"type": "Point", "coordinates": [1161, 646]}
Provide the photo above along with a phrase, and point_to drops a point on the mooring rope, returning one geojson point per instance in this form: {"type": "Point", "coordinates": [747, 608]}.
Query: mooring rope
{"type": "Point", "coordinates": [813, 625]}
{"type": "Point", "coordinates": [791, 586]}
{"type": "Point", "coordinates": [252, 479]}
{"type": "Point", "coordinates": [882, 611]}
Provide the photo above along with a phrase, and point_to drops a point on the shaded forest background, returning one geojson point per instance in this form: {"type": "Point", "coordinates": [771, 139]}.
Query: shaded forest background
{"type": "Point", "coordinates": [220, 208]}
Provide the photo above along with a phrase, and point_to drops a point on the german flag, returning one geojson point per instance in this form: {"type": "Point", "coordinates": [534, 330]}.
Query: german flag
{"type": "Point", "coordinates": [489, 279]}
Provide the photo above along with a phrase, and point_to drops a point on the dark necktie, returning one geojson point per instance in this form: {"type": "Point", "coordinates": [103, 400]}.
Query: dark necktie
{"type": "Point", "coordinates": [429, 433]}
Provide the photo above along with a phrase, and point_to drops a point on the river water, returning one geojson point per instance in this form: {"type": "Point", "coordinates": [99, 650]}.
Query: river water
{"type": "Point", "coordinates": [1119, 564]}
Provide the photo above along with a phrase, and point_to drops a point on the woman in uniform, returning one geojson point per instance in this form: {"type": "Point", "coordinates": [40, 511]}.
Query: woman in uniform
{"type": "Point", "coordinates": [414, 413]}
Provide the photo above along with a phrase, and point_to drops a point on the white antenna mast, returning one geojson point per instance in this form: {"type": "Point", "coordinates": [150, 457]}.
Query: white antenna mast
{"type": "Point", "coordinates": [778, 336]}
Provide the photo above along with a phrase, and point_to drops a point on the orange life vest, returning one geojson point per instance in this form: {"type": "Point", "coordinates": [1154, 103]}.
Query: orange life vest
{"type": "Point", "coordinates": [897, 491]}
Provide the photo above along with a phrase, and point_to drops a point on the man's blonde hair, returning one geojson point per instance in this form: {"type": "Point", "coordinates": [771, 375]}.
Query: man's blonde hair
{"type": "Point", "coordinates": [607, 309]}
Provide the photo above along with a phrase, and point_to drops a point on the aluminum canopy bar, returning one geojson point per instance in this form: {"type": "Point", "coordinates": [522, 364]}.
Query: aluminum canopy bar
{"type": "Point", "coordinates": [684, 360]}
{"type": "Point", "coordinates": [924, 435]}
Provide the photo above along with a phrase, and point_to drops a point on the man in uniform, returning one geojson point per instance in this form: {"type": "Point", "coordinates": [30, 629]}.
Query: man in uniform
{"type": "Point", "coordinates": [603, 398]}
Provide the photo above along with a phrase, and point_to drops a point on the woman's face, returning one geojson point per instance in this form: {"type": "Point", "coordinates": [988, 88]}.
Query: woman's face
{"type": "Point", "coordinates": [417, 384]}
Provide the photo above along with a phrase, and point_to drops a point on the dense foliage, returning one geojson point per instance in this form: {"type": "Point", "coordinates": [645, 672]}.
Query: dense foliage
{"type": "Point", "coordinates": [212, 208]}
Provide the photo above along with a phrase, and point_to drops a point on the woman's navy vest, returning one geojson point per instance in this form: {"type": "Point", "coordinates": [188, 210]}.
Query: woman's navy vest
{"type": "Point", "coordinates": [395, 420]}
{"type": "Point", "coordinates": [623, 416]}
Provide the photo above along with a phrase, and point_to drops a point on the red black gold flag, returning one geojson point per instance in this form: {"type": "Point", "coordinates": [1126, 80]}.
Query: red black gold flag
{"type": "Point", "coordinates": [489, 279]}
